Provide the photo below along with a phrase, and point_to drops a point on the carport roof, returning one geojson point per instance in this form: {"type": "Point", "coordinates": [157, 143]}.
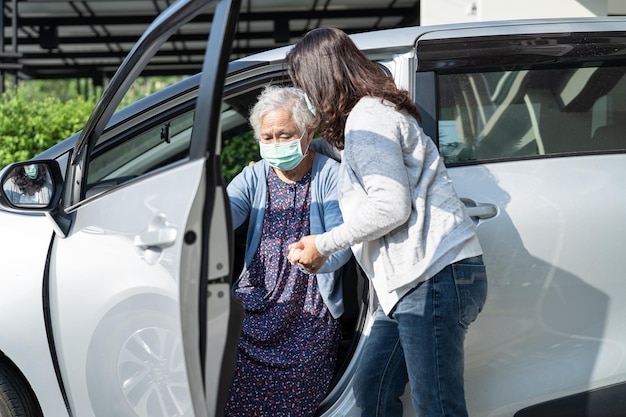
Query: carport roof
{"type": "Point", "coordinates": [53, 39]}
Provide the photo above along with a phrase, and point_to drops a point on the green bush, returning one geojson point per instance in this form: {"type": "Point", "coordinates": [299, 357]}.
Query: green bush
{"type": "Point", "coordinates": [238, 152]}
{"type": "Point", "coordinates": [29, 126]}
{"type": "Point", "coordinates": [38, 115]}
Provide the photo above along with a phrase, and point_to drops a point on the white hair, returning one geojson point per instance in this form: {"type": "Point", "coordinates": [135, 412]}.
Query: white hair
{"type": "Point", "coordinates": [273, 98]}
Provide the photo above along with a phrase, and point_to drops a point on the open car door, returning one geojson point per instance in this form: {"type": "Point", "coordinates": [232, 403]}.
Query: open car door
{"type": "Point", "coordinates": [139, 268]}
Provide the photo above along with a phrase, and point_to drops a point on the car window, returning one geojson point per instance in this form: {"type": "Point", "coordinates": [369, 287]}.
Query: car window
{"type": "Point", "coordinates": [133, 155]}
{"type": "Point", "coordinates": [240, 147]}
{"type": "Point", "coordinates": [531, 112]}
{"type": "Point", "coordinates": [146, 147]}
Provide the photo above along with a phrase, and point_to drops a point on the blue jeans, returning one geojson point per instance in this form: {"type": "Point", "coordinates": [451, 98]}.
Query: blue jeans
{"type": "Point", "coordinates": [422, 343]}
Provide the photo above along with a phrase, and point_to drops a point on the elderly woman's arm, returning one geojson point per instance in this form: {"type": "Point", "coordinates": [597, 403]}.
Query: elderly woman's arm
{"type": "Point", "coordinates": [241, 194]}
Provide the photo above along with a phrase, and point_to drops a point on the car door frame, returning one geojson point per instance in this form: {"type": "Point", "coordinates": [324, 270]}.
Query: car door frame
{"type": "Point", "coordinates": [210, 218]}
{"type": "Point", "coordinates": [215, 272]}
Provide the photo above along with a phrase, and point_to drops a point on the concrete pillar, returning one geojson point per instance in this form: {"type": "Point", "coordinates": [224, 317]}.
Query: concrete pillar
{"type": "Point", "coordinates": [529, 9]}
{"type": "Point", "coordinates": [454, 11]}
{"type": "Point", "coordinates": [617, 7]}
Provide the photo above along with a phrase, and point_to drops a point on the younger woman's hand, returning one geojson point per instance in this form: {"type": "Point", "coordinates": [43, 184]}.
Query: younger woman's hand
{"type": "Point", "coordinates": [305, 253]}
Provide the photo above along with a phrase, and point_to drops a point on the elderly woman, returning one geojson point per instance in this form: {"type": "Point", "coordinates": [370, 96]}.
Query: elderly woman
{"type": "Point", "coordinates": [288, 346]}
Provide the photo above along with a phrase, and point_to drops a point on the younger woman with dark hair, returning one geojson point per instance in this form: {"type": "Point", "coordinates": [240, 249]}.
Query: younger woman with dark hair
{"type": "Point", "coordinates": [405, 223]}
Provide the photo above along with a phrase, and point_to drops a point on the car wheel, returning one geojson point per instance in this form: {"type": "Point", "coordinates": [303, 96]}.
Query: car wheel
{"type": "Point", "coordinates": [136, 365]}
{"type": "Point", "coordinates": [16, 397]}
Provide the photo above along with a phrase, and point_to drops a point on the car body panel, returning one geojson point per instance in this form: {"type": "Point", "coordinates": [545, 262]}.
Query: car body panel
{"type": "Point", "coordinates": [111, 228]}
{"type": "Point", "coordinates": [552, 321]}
{"type": "Point", "coordinates": [524, 27]}
{"type": "Point", "coordinates": [24, 338]}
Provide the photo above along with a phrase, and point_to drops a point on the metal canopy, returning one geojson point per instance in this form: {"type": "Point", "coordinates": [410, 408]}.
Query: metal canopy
{"type": "Point", "coordinates": [48, 39]}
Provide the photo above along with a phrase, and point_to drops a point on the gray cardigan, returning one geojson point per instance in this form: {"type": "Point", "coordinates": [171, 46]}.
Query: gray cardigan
{"type": "Point", "coordinates": [402, 216]}
{"type": "Point", "coordinates": [248, 196]}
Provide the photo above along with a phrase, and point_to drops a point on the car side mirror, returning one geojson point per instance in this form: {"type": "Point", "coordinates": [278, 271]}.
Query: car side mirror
{"type": "Point", "coordinates": [35, 187]}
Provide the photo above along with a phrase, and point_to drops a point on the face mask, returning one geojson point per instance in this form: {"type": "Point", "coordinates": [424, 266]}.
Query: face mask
{"type": "Point", "coordinates": [31, 171]}
{"type": "Point", "coordinates": [284, 156]}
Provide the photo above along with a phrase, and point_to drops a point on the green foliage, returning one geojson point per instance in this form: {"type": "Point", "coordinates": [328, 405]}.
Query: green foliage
{"type": "Point", "coordinates": [64, 90]}
{"type": "Point", "coordinates": [39, 114]}
{"type": "Point", "coordinates": [144, 86]}
{"type": "Point", "coordinates": [237, 153]}
{"type": "Point", "coordinates": [29, 124]}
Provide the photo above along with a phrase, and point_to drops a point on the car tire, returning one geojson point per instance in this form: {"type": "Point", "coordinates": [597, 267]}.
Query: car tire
{"type": "Point", "coordinates": [16, 397]}
{"type": "Point", "coordinates": [135, 363]}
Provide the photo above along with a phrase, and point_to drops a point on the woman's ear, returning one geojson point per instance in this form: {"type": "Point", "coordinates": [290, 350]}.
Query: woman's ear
{"type": "Point", "coordinates": [309, 138]}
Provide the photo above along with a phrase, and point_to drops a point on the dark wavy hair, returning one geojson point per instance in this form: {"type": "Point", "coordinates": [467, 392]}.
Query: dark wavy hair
{"type": "Point", "coordinates": [27, 185]}
{"type": "Point", "coordinates": [335, 75]}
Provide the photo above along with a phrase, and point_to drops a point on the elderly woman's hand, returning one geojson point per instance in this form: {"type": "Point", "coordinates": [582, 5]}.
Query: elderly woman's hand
{"type": "Point", "coordinates": [305, 253]}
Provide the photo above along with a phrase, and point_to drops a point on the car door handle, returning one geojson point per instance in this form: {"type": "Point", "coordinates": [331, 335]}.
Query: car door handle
{"type": "Point", "coordinates": [160, 234]}
{"type": "Point", "coordinates": [479, 210]}
{"type": "Point", "coordinates": [484, 211]}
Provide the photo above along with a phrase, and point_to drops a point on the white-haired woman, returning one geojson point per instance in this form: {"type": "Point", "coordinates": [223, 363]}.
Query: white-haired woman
{"type": "Point", "coordinates": [288, 347]}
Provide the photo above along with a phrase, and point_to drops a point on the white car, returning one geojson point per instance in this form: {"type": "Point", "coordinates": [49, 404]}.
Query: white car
{"type": "Point", "coordinates": [115, 289]}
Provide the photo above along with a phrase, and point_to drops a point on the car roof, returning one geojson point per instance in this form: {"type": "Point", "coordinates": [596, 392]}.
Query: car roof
{"type": "Point", "coordinates": [407, 37]}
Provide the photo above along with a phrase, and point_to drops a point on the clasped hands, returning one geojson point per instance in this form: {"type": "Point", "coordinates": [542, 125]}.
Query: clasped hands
{"type": "Point", "coordinates": [304, 253]}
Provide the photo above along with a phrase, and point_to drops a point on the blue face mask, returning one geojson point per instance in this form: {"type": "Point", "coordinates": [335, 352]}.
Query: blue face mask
{"type": "Point", "coordinates": [283, 156]}
{"type": "Point", "coordinates": [31, 171]}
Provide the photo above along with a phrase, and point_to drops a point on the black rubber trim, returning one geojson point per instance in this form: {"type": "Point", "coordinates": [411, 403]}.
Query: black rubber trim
{"type": "Point", "coordinates": [603, 402]}
{"type": "Point", "coordinates": [520, 51]}
{"type": "Point", "coordinates": [45, 296]}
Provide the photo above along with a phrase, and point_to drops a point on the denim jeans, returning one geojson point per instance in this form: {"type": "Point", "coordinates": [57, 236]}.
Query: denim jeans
{"type": "Point", "coordinates": [422, 343]}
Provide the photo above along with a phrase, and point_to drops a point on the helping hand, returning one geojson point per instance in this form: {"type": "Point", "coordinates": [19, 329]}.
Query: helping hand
{"type": "Point", "coordinates": [305, 253]}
